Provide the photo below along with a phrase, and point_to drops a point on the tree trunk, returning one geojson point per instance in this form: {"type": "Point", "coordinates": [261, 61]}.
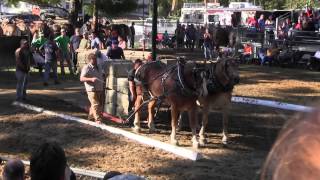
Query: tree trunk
{"type": "Point", "coordinates": [154, 29]}
{"type": "Point", "coordinates": [173, 5]}
{"type": "Point", "coordinates": [74, 11]}
{"type": "Point", "coordinates": [94, 25]}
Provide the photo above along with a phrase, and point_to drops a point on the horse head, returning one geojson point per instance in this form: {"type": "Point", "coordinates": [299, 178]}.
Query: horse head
{"type": "Point", "coordinates": [226, 72]}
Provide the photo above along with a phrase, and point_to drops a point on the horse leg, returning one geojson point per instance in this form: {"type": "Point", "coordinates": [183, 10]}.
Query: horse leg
{"type": "Point", "coordinates": [174, 121]}
{"type": "Point", "coordinates": [151, 106]}
{"type": "Point", "coordinates": [179, 122]}
{"type": "Point", "coordinates": [225, 127]}
{"type": "Point", "coordinates": [202, 135]}
{"type": "Point", "coordinates": [136, 122]}
{"type": "Point", "coordinates": [193, 125]}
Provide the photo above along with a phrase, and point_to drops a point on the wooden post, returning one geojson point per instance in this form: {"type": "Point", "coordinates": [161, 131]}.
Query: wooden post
{"type": "Point", "coordinates": [95, 17]}
{"type": "Point", "coordinates": [154, 29]}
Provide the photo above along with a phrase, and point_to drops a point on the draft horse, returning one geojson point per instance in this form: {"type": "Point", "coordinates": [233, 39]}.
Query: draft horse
{"type": "Point", "coordinates": [179, 86]}
{"type": "Point", "coordinates": [222, 77]}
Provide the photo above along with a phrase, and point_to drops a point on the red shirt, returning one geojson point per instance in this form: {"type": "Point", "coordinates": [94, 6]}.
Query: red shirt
{"type": "Point", "coordinates": [247, 49]}
{"type": "Point", "coordinates": [298, 26]}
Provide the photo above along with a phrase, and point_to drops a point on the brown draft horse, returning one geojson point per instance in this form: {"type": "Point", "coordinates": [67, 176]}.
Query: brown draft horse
{"type": "Point", "coordinates": [223, 75]}
{"type": "Point", "coordinates": [179, 86]}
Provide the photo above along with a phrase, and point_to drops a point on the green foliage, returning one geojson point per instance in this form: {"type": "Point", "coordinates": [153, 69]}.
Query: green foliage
{"type": "Point", "coordinates": [107, 7]}
{"type": "Point", "coordinates": [164, 8]}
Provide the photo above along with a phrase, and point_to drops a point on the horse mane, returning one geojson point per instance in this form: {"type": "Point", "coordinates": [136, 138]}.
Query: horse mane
{"type": "Point", "coordinates": [143, 70]}
{"type": "Point", "coordinates": [220, 72]}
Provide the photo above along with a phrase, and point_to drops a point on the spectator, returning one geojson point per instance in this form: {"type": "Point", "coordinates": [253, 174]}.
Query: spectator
{"type": "Point", "coordinates": [1, 31]}
{"type": "Point", "coordinates": [165, 39]}
{"type": "Point", "coordinates": [247, 53]}
{"type": "Point", "coordinates": [48, 162]}
{"type": "Point", "coordinates": [208, 45]}
{"type": "Point", "coordinates": [133, 33]}
{"type": "Point", "coordinates": [298, 26]}
{"type": "Point", "coordinates": [295, 153]}
{"type": "Point", "coordinates": [85, 42]}
{"type": "Point", "coordinates": [111, 174]}
{"type": "Point", "coordinates": [23, 57]}
{"type": "Point", "coordinates": [270, 55]}
{"type": "Point", "coordinates": [149, 57]}
{"type": "Point", "coordinates": [101, 59]}
{"type": "Point", "coordinates": [37, 43]}
{"type": "Point", "coordinates": [126, 177]}
{"type": "Point", "coordinates": [284, 30]}
{"type": "Point", "coordinates": [92, 77]}
{"type": "Point", "coordinates": [315, 61]}
{"type": "Point", "coordinates": [50, 55]}
{"type": "Point", "coordinates": [13, 170]}
{"type": "Point", "coordinates": [252, 22]}
{"type": "Point", "coordinates": [269, 21]}
{"type": "Point", "coordinates": [261, 23]}
{"type": "Point", "coordinates": [122, 43]}
{"type": "Point", "coordinates": [201, 38]}
{"type": "Point", "coordinates": [309, 12]}
{"type": "Point", "coordinates": [95, 42]}
{"type": "Point", "coordinates": [190, 36]}
{"type": "Point", "coordinates": [63, 43]}
{"type": "Point", "coordinates": [234, 22]}
{"type": "Point", "coordinates": [75, 43]}
{"type": "Point", "coordinates": [180, 33]}
{"type": "Point", "coordinates": [115, 52]}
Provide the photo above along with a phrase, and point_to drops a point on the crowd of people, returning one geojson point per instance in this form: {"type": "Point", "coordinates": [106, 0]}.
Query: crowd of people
{"type": "Point", "coordinates": [49, 162]}
{"type": "Point", "coordinates": [53, 45]}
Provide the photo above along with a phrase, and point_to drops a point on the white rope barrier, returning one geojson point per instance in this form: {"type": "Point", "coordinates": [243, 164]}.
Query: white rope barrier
{"type": "Point", "coordinates": [182, 152]}
{"type": "Point", "coordinates": [274, 104]}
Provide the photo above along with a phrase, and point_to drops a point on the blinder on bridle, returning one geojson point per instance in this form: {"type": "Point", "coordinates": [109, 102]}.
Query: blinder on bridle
{"type": "Point", "coordinates": [219, 79]}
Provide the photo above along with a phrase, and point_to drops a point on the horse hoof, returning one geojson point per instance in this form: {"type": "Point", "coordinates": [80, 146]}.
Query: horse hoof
{"type": "Point", "coordinates": [174, 142]}
{"type": "Point", "coordinates": [224, 141]}
{"type": "Point", "coordinates": [203, 141]}
{"type": "Point", "coordinates": [136, 129]}
{"type": "Point", "coordinates": [195, 145]}
{"type": "Point", "coordinates": [152, 130]}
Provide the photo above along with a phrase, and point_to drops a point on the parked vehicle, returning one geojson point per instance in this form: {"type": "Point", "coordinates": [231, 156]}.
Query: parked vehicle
{"type": "Point", "coordinates": [47, 14]}
{"type": "Point", "coordinates": [53, 13]}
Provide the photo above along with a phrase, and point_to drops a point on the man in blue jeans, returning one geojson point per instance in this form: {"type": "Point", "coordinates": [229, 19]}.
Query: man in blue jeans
{"type": "Point", "coordinates": [23, 57]}
{"type": "Point", "coordinates": [50, 58]}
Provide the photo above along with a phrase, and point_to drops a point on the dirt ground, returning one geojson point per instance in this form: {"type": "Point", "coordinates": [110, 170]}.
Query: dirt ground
{"type": "Point", "coordinates": [252, 129]}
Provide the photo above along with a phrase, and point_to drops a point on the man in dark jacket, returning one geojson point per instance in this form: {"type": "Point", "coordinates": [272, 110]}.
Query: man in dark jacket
{"type": "Point", "coordinates": [23, 57]}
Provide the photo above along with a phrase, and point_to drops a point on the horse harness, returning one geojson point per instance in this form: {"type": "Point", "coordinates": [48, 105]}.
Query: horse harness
{"type": "Point", "coordinates": [214, 85]}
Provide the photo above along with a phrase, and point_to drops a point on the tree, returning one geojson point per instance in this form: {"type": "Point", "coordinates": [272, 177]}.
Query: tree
{"type": "Point", "coordinates": [113, 8]}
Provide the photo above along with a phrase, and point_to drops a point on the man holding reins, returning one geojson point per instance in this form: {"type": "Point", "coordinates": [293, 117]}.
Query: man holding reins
{"type": "Point", "coordinates": [135, 88]}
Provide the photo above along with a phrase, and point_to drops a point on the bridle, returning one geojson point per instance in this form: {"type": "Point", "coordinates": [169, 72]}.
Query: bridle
{"type": "Point", "coordinates": [218, 86]}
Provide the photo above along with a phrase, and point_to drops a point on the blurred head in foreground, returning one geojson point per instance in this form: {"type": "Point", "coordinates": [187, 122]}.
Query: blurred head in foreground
{"type": "Point", "coordinates": [296, 152]}
{"type": "Point", "coordinates": [13, 170]}
{"type": "Point", "coordinates": [48, 162]}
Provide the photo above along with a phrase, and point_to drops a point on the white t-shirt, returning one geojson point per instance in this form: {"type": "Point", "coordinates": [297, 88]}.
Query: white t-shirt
{"type": "Point", "coordinates": [317, 55]}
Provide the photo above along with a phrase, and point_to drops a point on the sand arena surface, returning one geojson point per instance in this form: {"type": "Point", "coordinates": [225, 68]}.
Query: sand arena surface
{"type": "Point", "coordinates": [252, 129]}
